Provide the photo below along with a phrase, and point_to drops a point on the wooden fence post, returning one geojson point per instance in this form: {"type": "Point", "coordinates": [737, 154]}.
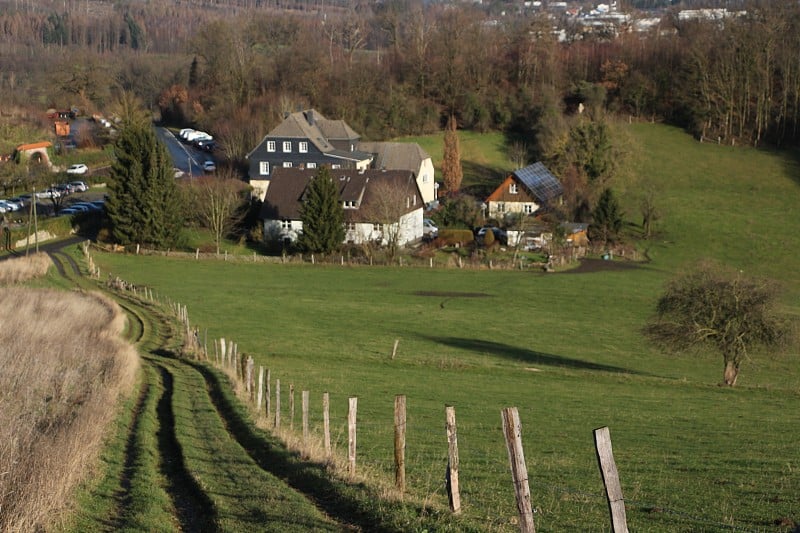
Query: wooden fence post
{"type": "Point", "coordinates": [394, 348]}
{"type": "Point", "coordinates": [269, 393]}
{"type": "Point", "coordinates": [351, 436]}
{"type": "Point", "coordinates": [304, 396]}
{"type": "Point", "coordinates": [223, 356]}
{"type": "Point", "coordinates": [326, 423]}
{"type": "Point", "coordinates": [451, 478]}
{"type": "Point", "coordinates": [260, 397]}
{"type": "Point", "coordinates": [249, 367]}
{"type": "Point", "coordinates": [608, 470]}
{"type": "Point", "coordinates": [519, 472]}
{"type": "Point", "coordinates": [291, 406]}
{"type": "Point", "coordinates": [400, 442]}
{"type": "Point", "coordinates": [277, 404]}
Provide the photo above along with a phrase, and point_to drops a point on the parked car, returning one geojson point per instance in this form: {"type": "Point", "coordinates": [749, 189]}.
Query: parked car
{"type": "Point", "coordinates": [49, 193]}
{"type": "Point", "coordinates": [78, 168]}
{"type": "Point", "coordinates": [500, 235]}
{"type": "Point", "coordinates": [64, 189]}
{"type": "Point", "coordinates": [21, 199]}
{"type": "Point", "coordinates": [11, 205]}
{"type": "Point", "coordinates": [429, 229]}
{"type": "Point", "coordinates": [184, 132]}
{"type": "Point", "coordinates": [68, 211]}
{"type": "Point", "coordinates": [79, 186]}
{"type": "Point", "coordinates": [205, 144]}
{"type": "Point", "coordinates": [209, 166]}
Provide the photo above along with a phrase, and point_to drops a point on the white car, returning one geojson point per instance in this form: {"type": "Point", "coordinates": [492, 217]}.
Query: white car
{"type": "Point", "coordinates": [49, 193]}
{"type": "Point", "coordinates": [79, 186]}
{"type": "Point", "coordinates": [209, 166]}
{"type": "Point", "coordinates": [10, 205]}
{"type": "Point", "coordinates": [429, 229]}
{"type": "Point", "coordinates": [79, 168]}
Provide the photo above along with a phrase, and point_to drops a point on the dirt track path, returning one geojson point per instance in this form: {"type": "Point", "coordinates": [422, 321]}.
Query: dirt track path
{"type": "Point", "coordinates": [178, 467]}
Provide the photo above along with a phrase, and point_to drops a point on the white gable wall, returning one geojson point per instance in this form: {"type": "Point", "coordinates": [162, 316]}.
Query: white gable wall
{"type": "Point", "coordinates": [499, 210]}
{"type": "Point", "coordinates": [425, 181]}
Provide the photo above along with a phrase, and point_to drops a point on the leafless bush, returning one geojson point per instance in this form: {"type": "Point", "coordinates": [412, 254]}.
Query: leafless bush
{"type": "Point", "coordinates": [23, 268]}
{"type": "Point", "coordinates": [63, 366]}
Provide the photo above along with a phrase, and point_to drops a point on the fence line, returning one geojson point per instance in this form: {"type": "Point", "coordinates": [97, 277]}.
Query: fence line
{"type": "Point", "coordinates": [240, 369]}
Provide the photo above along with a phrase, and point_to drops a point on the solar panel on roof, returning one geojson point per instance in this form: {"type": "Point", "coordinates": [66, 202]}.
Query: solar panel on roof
{"type": "Point", "coordinates": [540, 181]}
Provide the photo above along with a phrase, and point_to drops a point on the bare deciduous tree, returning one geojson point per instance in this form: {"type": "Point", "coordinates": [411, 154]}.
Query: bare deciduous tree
{"type": "Point", "coordinates": [388, 201]}
{"type": "Point", "coordinates": [726, 310]}
{"type": "Point", "coordinates": [216, 201]}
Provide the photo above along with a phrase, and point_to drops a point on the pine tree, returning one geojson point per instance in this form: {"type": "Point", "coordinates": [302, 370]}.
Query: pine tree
{"type": "Point", "coordinates": [606, 219]}
{"type": "Point", "coordinates": [322, 215]}
{"type": "Point", "coordinates": [144, 205]}
{"type": "Point", "coordinates": [451, 163]}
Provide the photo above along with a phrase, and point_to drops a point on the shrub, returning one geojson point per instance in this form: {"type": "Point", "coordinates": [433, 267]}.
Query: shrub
{"type": "Point", "coordinates": [452, 237]}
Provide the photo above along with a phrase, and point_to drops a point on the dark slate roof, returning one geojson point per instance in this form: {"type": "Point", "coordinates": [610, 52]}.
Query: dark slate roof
{"type": "Point", "coordinates": [540, 182]}
{"type": "Point", "coordinates": [287, 187]}
{"type": "Point", "coordinates": [395, 155]}
{"type": "Point", "coordinates": [311, 125]}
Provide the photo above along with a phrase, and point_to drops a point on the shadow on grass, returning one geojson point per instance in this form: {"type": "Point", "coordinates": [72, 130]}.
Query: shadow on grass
{"type": "Point", "coordinates": [351, 505]}
{"type": "Point", "coordinates": [530, 357]}
{"type": "Point", "coordinates": [480, 180]}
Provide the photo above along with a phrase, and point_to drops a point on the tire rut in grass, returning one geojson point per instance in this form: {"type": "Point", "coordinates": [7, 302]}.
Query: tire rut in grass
{"type": "Point", "coordinates": [306, 478]}
{"type": "Point", "coordinates": [195, 510]}
{"type": "Point", "coordinates": [123, 496]}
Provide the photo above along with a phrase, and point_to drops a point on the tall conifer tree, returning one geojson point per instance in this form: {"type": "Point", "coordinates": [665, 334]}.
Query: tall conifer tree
{"type": "Point", "coordinates": [322, 215]}
{"type": "Point", "coordinates": [451, 163]}
{"type": "Point", "coordinates": [144, 205]}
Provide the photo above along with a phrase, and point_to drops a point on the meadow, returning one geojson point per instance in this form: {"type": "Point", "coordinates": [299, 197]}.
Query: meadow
{"type": "Point", "coordinates": [565, 348]}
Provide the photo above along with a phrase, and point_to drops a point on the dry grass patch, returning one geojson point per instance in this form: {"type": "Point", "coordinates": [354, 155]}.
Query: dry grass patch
{"type": "Point", "coordinates": [63, 366]}
{"type": "Point", "coordinates": [24, 268]}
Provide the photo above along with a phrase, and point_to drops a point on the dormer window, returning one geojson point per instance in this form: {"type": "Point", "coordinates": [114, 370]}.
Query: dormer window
{"type": "Point", "coordinates": [350, 204]}
{"type": "Point", "coordinates": [513, 189]}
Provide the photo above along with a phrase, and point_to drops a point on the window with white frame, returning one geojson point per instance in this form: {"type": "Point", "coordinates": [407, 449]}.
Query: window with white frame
{"type": "Point", "coordinates": [425, 178]}
{"type": "Point", "coordinates": [311, 165]}
{"type": "Point", "coordinates": [377, 227]}
{"type": "Point", "coordinates": [501, 207]}
{"type": "Point", "coordinates": [528, 208]}
{"type": "Point", "coordinates": [286, 224]}
{"type": "Point", "coordinates": [270, 146]}
{"type": "Point", "coordinates": [513, 189]}
{"type": "Point", "coordinates": [303, 147]}
{"type": "Point", "coordinates": [336, 166]}
{"type": "Point", "coordinates": [263, 168]}
{"type": "Point", "coordinates": [287, 164]}
{"type": "Point", "coordinates": [287, 146]}
{"type": "Point", "coordinates": [350, 226]}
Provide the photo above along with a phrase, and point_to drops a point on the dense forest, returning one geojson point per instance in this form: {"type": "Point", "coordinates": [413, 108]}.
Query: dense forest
{"type": "Point", "coordinates": [403, 67]}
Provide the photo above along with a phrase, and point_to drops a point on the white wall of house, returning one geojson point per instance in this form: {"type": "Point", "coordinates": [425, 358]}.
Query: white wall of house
{"type": "Point", "coordinates": [259, 189]}
{"type": "Point", "coordinates": [501, 209]}
{"type": "Point", "coordinates": [278, 230]}
{"type": "Point", "coordinates": [409, 227]}
{"type": "Point", "coordinates": [425, 181]}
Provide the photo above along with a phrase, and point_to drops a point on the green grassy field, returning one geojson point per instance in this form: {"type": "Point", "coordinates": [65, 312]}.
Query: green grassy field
{"type": "Point", "coordinates": [564, 348]}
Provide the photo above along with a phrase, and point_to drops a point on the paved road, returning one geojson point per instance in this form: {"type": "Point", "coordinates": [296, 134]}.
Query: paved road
{"type": "Point", "coordinates": [184, 157]}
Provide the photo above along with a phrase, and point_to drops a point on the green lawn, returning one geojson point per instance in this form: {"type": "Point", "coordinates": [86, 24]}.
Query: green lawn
{"type": "Point", "coordinates": [564, 348]}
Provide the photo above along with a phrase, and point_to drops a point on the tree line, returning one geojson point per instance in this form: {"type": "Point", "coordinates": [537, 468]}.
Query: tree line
{"type": "Point", "coordinates": [404, 67]}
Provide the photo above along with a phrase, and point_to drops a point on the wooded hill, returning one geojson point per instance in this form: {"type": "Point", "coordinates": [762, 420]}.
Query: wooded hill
{"type": "Point", "coordinates": [403, 67]}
